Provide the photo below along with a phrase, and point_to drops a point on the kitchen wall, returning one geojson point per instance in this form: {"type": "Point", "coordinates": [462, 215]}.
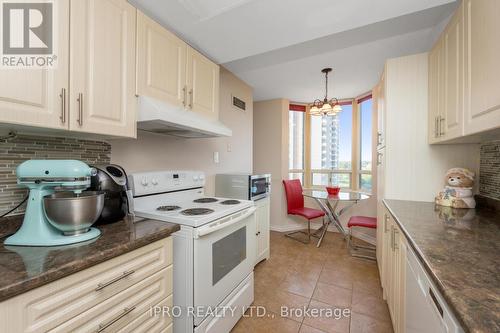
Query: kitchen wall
{"type": "Point", "coordinates": [159, 152]}
{"type": "Point", "coordinates": [270, 154]}
{"type": "Point", "coordinates": [20, 148]}
{"type": "Point", "coordinates": [489, 174]}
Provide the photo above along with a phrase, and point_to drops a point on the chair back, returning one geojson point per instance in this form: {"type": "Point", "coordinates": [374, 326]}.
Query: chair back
{"type": "Point", "coordinates": [293, 192]}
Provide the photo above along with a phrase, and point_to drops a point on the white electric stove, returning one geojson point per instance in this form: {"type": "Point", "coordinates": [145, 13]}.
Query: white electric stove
{"type": "Point", "coordinates": [214, 251]}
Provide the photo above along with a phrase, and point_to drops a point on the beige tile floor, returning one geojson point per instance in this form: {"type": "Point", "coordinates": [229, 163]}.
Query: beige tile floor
{"type": "Point", "coordinates": [303, 276]}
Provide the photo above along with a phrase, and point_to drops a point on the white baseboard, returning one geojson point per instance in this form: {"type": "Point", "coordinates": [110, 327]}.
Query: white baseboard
{"type": "Point", "coordinates": [314, 226]}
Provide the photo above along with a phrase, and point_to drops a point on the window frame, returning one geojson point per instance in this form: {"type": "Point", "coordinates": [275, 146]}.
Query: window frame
{"type": "Point", "coordinates": [355, 172]}
{"type": "Point", "coordinates": [297, 107]}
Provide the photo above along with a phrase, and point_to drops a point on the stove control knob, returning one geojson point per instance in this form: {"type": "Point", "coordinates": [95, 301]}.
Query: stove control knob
{"type": "Point", "coordinates": [202, 177]}
{"type": "Point", "coordinates": [144, 182]}
{"type": "Point", "coordinates": [154, 181]}
{"type": "Point", "coordinates": [195, 178]}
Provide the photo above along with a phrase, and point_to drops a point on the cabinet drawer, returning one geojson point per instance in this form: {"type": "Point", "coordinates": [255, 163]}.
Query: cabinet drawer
{"type": "Point", "coordinates": [125, 307]}
{"type": "Point", "coordinates": [49, 306]}
{"type": "Point", "coordinates": [148, 323]}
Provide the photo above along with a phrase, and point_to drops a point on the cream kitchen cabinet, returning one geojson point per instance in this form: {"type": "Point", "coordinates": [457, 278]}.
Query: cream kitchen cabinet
{"type": "Point", "coordinates": [436, 92]}
{"type": "Point", "coordinates": [393, 273]}
{"type": "Point", "coordinates": [262, 216]}
{"type": "Point", "coordinates": [92, 89]}
{"type": "Point", "coordinates": [161, 63]}
{"type": "Point", "coordinates": [380, 104]}
{"type": "Point", "coordinates": [171, 71]}
{"type": "Point", "coordinates": [452, 121]}
{"type": "Point", "coordinates": [38, 97]}
{"type": "Point", "coordinates": [446, 82]}
{"type": "Point", "coordinates": [482, 110]}
{"type": "Point", "coordinates": [102, 67]}
{"type": "Point", "coordinates": [203, 84]}
{"type": "Point", "coordinates": [464, 74]}
{"type": "Point", "coordinates": [113, 296]}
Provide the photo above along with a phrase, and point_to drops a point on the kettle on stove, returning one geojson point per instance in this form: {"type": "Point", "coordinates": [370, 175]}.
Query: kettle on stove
{"type": "Point", "coordinates": [118, 203]}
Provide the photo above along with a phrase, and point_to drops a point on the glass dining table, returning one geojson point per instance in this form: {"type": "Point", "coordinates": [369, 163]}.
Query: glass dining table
{"type": "Point", "coordinates": [329, 204]}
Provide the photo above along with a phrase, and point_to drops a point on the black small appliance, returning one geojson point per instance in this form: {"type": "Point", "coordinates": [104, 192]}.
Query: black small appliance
{"type": "Point", "coordinates": [118, 201]}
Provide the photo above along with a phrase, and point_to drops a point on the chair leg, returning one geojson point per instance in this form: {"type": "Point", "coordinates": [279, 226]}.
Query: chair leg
{"type": "Point", "coordinates": [308, 234]}
{"type": "Point", "coordinates": [308, 231]}
{"type": "Point", "coordinates": [354, 249]}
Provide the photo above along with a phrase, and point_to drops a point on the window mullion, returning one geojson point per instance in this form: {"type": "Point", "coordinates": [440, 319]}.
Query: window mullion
{"type": "Point", "coordinates": [355, 145]}
{"type": "Point", "coordinates": [307, 149]}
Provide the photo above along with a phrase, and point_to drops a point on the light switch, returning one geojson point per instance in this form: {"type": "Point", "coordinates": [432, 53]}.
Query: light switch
{"type": "Point", "coordinates": [216, 157]}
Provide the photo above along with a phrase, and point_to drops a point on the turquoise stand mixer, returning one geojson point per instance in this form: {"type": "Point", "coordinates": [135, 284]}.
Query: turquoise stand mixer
{"type": "Point", "coordinates": [57, 209]}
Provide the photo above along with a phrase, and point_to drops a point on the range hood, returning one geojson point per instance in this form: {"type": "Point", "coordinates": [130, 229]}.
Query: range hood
{"type": "Point", "coordinates": [159, 117]}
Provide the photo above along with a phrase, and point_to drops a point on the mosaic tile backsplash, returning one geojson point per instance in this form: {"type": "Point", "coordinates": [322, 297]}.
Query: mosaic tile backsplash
{"type": "Point", "coordinates": [15, 150]}
{"type": "Point", "coordinates": [489, 171]}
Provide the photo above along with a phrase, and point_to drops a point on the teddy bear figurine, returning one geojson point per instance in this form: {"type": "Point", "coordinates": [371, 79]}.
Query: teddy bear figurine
{"type": "Point", "coordinates": [457, 192]}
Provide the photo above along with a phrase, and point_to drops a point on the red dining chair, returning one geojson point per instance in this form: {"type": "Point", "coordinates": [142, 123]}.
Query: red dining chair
{"type": "Point", "coordinates": [361, 222]}
{"type": "Point", "coordinates": [295, 206]}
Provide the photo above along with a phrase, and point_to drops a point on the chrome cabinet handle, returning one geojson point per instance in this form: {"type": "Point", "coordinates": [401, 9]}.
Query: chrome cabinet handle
{"type": "Point", "coordinates": [101, 286]}
{"type": "Point", "coordinates": [379, 138]}
{"type": "Point", "coordinates": [386, 219]}
{"type": "Point", "coordinates": [184, 96]}
{"type": "Point", "coordinates": [379, 158]}
{"type": "Point", "coordinates": [80, 109]}
{"type": "Point", "coordinates": [63, 105]}
{"type": "Point", "coordinates": [191, 98]}
{"type": "Point", "coordinates": [441, 120]}
{"type": "Point", "coordinates": [104, 326]}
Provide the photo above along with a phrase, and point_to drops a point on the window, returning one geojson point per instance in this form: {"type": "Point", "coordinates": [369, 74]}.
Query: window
{"type": "Point", "coordinates": [338, 150]}
{"type": "Point", "coordinates": [331, 149]}
{"type": "Point", "coordinates": [296, 155]}
{"type": "Point", "coordinates": [365, 138]}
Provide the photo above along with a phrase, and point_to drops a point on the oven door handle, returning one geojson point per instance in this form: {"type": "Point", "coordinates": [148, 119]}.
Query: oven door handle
{"type": "Point", "coordinates": [213, 227]}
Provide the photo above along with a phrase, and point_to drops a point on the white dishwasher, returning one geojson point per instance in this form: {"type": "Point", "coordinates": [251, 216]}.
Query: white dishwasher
{"type": "Point", "coordinates": [426, 311]}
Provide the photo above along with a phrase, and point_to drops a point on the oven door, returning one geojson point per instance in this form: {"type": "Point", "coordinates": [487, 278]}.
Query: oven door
{"type": "Point", "coordinates": [259, 187]}
{"type": "Point", "coordinates": [224, 255]}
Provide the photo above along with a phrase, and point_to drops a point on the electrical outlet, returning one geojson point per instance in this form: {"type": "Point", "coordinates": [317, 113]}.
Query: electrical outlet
{"type": "Point", "coordinates": [229, 148]}
{"type": "Point", "coordinates": [216, 157]}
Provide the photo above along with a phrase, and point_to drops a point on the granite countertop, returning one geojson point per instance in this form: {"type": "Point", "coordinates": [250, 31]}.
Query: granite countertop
{"type": "Point", "coordinates": [24, 268]}
{"type": "Point", "coordinates": [460, 249]}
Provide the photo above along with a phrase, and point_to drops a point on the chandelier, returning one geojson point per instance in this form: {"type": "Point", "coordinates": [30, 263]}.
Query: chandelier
{"type": "Point", "coordinates": [325, 107]}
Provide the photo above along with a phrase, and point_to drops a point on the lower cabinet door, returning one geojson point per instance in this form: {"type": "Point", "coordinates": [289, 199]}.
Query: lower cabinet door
{"type": "Point", "coordinates": [152, 321]}
{"type": "Point", "coordinates": [262, 217]}
{"type": "Point", "coordinates": [121, 310]}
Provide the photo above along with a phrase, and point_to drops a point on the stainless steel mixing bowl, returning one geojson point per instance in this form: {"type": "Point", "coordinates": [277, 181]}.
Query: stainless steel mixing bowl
{"type": "Point", "coordinates": [73, 213]}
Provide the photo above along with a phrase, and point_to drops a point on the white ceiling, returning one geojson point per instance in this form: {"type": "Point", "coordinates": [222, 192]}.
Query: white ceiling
{"type": "Point", "coordinates": [280, 46]}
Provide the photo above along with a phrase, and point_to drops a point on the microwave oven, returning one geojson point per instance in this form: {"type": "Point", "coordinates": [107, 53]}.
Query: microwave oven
{"type": "Point", "coordinates": [243, 186]}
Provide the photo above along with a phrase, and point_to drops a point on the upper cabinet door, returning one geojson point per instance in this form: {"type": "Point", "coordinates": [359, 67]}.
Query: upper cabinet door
{"type": "Point", "coordinates": [483, 70]}
{"type": "Point", "coordinates": [203, 84]}
{"type": "Point", "coordinates": [381, 111]}
{"type": "Point", "coordinates": [102, 67]}
{"type": "Point", "coordinates": [434, 76]}
{"type": "Point", "coordinates": [452, 119]}
{"type": "Point", "coordinates": [161, 63]}
{"type": "Point", "coordinates": [35, 97]}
